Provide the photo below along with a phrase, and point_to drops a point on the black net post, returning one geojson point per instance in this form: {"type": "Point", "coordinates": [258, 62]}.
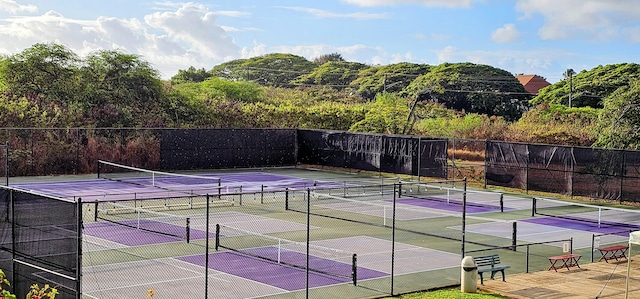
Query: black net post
{"type": "Point", "coordinates": [501, 203]}
{"type": "Point", "coordinates": [95, 211]}
{"type": "Point", "coordinates": [514, 236]}
{"type": "Point", "coordinates": [262, 194]}
{"type": "Point", "coordinates": [188, 228]}
{"type": "Point", "coordinates": [354, 269]}
{"type": "Point", "coordinates": [286, 199]}
{"type": "Point", "coordinates": [533, 207]}
{"type": "Point", "coordinates": [217, 236]}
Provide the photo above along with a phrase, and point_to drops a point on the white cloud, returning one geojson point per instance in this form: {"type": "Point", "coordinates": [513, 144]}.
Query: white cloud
{"type": "Point", "coordinates": [324, 14]}
{"type": "Point", "coordinates": [440, 3]}
{"type": "Point", "coordinates": [233, 13]}
{"type": "Point", "coordinates": [13, 7]}
{"type": "Point", "coordinates": [169, 40]}
{"type": "Point", "coordinates": [194, 26]}
{"type": "Point", "coordinates": [596, 20]}
{"type": "Point", "coordinates": [505, 34]}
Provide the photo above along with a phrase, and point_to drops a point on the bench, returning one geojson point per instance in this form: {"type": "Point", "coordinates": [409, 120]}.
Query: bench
{"type": "Point", "coordinates": [489, 263]}
{"type": "Point", "coordinates": [566, 261]}
{"type": "Point", "coordinates": [616, 252]}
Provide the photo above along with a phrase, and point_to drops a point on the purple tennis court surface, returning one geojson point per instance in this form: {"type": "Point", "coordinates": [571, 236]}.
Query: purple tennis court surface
{"type": "Point", "coordinates": [136, 237]}
{"type": "Point", "coordinates": [452, 205]}
{"type": "Point", "coordinates": [169, 186]}
{"type": "Point", "coordinates": [585, 224]}
{"type": "Point", "coordinates": [280, 275]}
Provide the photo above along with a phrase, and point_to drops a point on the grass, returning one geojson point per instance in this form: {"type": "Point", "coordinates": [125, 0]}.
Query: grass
{"type": "Point", "coordinates": [450, 293]}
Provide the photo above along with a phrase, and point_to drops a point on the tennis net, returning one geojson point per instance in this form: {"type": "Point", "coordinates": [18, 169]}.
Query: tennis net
{"type": "Point", "coordinates": [322, 260]}
{"type": "Point", "coordinates": [410, 217]}
{"type": "Point", "coordinates": [595, 215]}
{"type": "Point", "coordinates": [159, 179]}
{"type": "Point", "coordinates": [483, 200]}
{"type": "Point", "coordinates": [142, 219]}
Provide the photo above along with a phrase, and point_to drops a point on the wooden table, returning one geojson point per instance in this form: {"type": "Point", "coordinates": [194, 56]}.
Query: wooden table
{"type": "Point", "coordinates": [567, 261]}
{"type": "Point", "coordinates": [616, 252]}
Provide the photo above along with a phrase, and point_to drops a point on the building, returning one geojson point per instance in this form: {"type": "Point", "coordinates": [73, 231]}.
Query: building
{"type": "Point", "coordinates": [532, 83]}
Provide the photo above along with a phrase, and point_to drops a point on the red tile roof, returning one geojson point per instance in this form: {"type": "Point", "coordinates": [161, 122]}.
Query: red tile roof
{"type": "Point", "coordinates": [532, 83]}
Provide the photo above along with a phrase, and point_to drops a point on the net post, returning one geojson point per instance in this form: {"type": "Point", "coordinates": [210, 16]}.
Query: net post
{"type": "Point", "coordinates": [571, 245]}
{"type": "Point", "coordinates": [533, 207]}
{"type": "Point", "coordinates": [188, 232]}
{"type": "Point", "coordinates": [95, 211]}
{"type": "Point", "coordinates": [354, 269]}
{"type": "Point", "coordinates": [217, 245]}
{"type": "Point", "coordinates": [501, 203]}
{"type": "Point", "coordinates": [514, 235]}
{"type": "Point", "coordinates": [262, 194]}
{"type": "Point", "coordinates": [286, 199]}
{"type": "Point", "coordinates": [98, 168]}
{"type": "Point", "coordinates": [219, 188]}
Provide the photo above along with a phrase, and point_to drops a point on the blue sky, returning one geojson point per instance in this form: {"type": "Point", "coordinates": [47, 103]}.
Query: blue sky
{"type": "Point", "coordinates": [543, 37]}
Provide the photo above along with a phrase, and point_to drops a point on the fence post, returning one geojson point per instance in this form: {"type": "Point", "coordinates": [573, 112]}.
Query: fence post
{"type": "Point", "coordinates": [527, 258]}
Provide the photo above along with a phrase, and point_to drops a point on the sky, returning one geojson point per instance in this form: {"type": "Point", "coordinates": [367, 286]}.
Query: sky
{"type": "Point", "coordinates": [542, 37]}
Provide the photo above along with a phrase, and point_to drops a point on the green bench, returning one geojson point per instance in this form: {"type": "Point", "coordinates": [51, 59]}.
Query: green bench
{"type": "Point", "coordinates": [490, 263]}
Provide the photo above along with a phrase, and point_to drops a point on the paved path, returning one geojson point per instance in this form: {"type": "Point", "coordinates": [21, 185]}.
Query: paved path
{"type": "Point", "coordinates": [595, 280]}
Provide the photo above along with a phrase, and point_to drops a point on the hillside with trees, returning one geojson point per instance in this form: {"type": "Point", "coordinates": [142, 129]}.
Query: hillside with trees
{"type": "Point", "coordinates": [48, 85]}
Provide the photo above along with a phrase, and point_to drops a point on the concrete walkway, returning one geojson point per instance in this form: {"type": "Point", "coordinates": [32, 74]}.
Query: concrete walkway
{"type": "Point", "coordinates": [595, 280]}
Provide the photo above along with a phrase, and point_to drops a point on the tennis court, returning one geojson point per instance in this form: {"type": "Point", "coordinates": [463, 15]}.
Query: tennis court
{"type": "Point", "coordinates": [278, 232]}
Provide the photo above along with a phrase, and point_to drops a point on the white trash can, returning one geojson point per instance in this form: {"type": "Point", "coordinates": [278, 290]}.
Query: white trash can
{"type": "Point", "coordinates": [468, 275]}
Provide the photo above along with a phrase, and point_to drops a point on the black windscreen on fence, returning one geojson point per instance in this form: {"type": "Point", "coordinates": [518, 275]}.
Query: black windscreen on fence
{"type": "Point", "coordinates": [384, 153]}
{"type": "Point", "coordinates": [433, 158]}
{"type": "Point", "coordinates": [550, 168]}
{"type": "Point", "coordinates": [597, 173]}
{"type": "Point", "coordinates": [227, 148]}
{"type": "Point", "coordinates": [506, 164]}
{"type": "Point", "coordinates": [339, 149]}
{"type": "Point", "coordinates": [40, 242]}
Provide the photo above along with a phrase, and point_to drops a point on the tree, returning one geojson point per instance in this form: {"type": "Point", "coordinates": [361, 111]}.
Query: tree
{"type": "Point", "coordinates": [269, 70]}
{"type": "Point", "coordinates": [388, 78]}
{"type": "Point", "coordinates": [388, 115]}
{"type": "Point", "coordinates": [333, 57]}
{"type": "Point", "coordinates": [335, 74]}
{"type": "Point", "coordinates": [619, 121]}
{"type": "Point", "coordinates": [44, 72]}
{"type": "Point", "coordinates": [190, 75]}
{"type": "Point", "coordinates": [472, 88]}
{"type": "Point", "coordinates": [122, 90]}
{"type": "Point", "coordinates": [44, 80]}
{"type": "Point", "coordinates": [589, 88]}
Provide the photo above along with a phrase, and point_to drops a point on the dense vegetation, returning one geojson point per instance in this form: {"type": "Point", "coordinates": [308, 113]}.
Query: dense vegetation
{"type": "Point", "coordinates": [48, 85]}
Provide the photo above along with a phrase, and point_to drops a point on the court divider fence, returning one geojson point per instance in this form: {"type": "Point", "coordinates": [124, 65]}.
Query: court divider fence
{"type": "Point", "coordinates": [41, 242]}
